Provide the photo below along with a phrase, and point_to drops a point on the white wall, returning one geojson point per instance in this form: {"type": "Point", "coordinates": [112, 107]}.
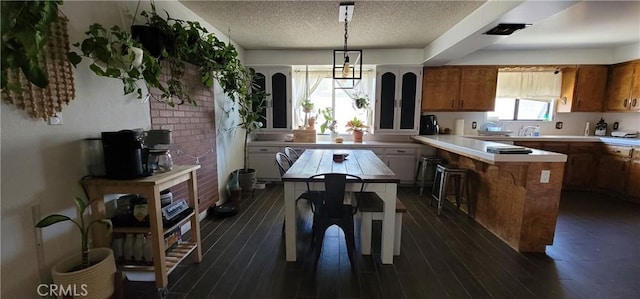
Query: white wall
{"type": "Point", "coordinates": [42, 164]}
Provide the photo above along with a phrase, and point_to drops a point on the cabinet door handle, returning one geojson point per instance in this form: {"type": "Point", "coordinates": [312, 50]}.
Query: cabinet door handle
{"type": "Point", "coordinates": [401, 151]}
{"type": "Point", "coordinates": [264, 150]}
{"type": "Point", "coordinates": [633, 103]}
{"type": "Point", "coordinates": [625, 102]}
{"type": "Point", "coordinates": [461, 103]}
{"type": "Point", "coordinates": [452, 103]}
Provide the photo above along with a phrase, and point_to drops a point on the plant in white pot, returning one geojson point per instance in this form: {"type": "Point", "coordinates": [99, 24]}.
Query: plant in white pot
{"type": "Point", "coordinates": [90, 274]}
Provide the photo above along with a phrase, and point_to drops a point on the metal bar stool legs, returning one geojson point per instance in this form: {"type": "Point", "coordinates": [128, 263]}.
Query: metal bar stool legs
{"type": "Point", "coordinates": [441, 182]}
{"type": "Point", "coordinates": [426, 170]}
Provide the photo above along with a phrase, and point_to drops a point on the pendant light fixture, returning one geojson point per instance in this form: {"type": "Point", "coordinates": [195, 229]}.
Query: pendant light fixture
{"type": "Point", "coordinates": [347, 64]}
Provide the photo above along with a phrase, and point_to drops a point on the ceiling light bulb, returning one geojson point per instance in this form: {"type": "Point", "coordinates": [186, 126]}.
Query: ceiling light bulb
{"type": "Point", "coordinates": [346, 68]}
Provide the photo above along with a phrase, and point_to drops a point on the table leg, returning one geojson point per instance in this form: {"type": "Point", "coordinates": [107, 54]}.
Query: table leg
{"type": "Point", "coordinates": [388, 222]}
{"type": "Point", "coordinates": [290, 221]}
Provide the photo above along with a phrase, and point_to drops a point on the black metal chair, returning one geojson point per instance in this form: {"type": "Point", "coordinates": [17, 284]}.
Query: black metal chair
{"type": "Point", "coordinates": [284, 163]}
{"type": "Point", "coordinates": [331, 210]}
{"type": "Point", "coordinates": [291, 154]}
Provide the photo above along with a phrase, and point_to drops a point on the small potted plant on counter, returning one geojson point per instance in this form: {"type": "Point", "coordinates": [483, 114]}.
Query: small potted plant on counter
{"type": "Point", "coordinates": [94, 269]}
{"type": "Point", "coordinates": [357, 127]}
{"type": "Point", "coordinates": [329, 122]}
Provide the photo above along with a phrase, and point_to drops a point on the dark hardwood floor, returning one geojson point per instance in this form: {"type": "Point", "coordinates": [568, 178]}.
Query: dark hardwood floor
{"type": "Point", "coordinates": [596, 254]}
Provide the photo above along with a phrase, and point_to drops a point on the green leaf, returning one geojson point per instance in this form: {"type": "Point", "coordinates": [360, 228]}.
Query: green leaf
{"type": "Point", "coordinates": [35, 74]}
{"type": "Point", "coordinates": [52, 219]}
{"type": "Point", "coordinates": [74, 58]}
{"type": "Point", "coordinates": [97, 70]}
{"type": "Point", "coordinates": [80, 205]}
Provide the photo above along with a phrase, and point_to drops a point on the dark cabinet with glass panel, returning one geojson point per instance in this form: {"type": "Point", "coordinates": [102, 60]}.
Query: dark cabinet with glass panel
{"type": "Point", "coordinates": [398, 91]}
{"type": "Point", "coordinates": [277, 111]}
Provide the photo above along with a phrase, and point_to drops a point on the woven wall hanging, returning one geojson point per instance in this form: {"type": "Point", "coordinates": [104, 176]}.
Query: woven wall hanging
{"type": "Point", "coordinates": [46, 102]}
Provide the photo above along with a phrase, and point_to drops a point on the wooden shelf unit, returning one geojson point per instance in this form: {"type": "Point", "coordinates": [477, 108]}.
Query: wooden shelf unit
{"type": "Point", "coordinates": [150, 187]}
{"type": "Point", "coordinates": [146, 230]}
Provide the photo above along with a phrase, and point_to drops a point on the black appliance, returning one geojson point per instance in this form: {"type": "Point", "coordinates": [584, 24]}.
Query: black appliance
{"type": "Point", "coordinates": [123, 155]}
{"type": "Point", "coordinates": [428, 124]}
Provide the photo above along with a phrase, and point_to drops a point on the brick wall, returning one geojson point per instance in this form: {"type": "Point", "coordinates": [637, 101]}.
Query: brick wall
{"type": "Point", "coordinates": [194, 136]}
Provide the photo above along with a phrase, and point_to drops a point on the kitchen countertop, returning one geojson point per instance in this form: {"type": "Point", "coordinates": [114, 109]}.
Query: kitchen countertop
{"type": "Point", "coordinates": [477, 149]}
{"type": "Point", "coordinates": [329, 144]}
{"type": "Point", "coordinates": [608, 140]}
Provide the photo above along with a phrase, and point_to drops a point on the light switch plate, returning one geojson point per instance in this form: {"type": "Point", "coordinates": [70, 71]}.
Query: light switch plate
{"type": "Point", "coordinates": [544, 176]}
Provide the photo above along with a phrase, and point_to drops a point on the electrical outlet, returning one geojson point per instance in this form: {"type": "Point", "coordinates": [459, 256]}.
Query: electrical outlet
{"type": "Point", "coordinates": [544, 176]}
{"type": "Point", "coordinates": [559, 125]}
{"type": "Point", "coordinates": [55, 120]}
{"type": "Point", "coordinates": [474, 125]}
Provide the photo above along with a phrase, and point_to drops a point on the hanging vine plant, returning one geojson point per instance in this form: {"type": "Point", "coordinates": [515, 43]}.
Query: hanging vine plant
{"type": "Point", "coordinates": [180, 42]}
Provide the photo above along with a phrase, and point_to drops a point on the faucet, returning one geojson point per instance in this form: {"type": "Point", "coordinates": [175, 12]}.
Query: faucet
{"type": "Point", "coordinates": [527, 131]}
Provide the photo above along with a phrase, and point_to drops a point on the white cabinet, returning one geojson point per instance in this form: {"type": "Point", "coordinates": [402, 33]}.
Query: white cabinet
{"type": "Point", "coordinates": [402, 161]}
{"type": "Point", "coordinates": [263, 160]}
{"type": "Point", "coordinates": [277, 113]}
{"type": "Point", "coordinates": [398, 92]}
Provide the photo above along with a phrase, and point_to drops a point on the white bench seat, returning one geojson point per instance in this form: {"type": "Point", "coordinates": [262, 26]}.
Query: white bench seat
{"type": "Point", "coordinates": [370, 209]}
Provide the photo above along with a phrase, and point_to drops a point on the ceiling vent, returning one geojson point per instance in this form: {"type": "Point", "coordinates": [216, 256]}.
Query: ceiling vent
{"type": "Point", "coordinates": [506, 28]}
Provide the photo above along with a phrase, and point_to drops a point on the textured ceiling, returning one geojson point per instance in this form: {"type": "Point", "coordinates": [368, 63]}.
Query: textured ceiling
{"type": "Point", "coordinates": [315, 25]}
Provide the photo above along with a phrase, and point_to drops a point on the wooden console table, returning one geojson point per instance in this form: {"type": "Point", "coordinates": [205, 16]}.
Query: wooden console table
{"type": "Point", "coordinates": [150, 187]}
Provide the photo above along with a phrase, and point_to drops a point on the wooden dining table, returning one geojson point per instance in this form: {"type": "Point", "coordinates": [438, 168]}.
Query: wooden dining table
{"type": "Point", "coordinates": [376, 174]}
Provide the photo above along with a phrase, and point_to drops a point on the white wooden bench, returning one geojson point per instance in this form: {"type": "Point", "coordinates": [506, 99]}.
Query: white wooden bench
{"type": "Point", "coordinates": [371, 209]}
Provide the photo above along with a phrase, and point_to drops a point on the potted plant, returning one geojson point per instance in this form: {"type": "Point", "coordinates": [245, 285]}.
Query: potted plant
{"type": "Point", "coordinates": [329, 122]}
{"type": "Point", "coordinates": [181, 41]}
{"type": "Point", "coordinates": [25, 31]}
{"type": "Point", "coordinates": [361, 101]}
{"type": "Point", "coordinates": [357, 127]}
{"type": "Point", "coordinates": [115, 54]}
{"type": "Point", "coordinates": [307, 106]}
{"type": "Point", "coordinates": [92, 272]}
{"type": "Point", "coordinates": [249, 106]}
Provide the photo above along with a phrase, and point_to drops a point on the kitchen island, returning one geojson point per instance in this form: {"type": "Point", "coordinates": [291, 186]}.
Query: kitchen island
{"type": "Point", "coordinates": [515, 196]}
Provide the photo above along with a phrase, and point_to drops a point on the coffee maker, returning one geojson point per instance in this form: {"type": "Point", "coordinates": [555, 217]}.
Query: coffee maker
{"type": "Point", "coordinates": [123, 155]}
{"type": "Point", "coordinates": [428, 124]}
{"type": "Point", "coordinates": [159, 158]}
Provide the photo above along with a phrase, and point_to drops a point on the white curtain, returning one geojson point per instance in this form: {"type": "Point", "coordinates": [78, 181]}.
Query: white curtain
{"type": "Point", "coordinates": [299, 91]}
{"type": "Point", "coordinates": [365, 87]}
{"type": "Point", "coordinates": [531, 85]}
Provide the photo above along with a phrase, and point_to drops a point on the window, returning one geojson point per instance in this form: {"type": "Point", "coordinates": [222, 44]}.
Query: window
{"type": "Point", "coordinates": [526, 95]}
{"type": "Point", "coordinates": [323, 95]}
{"type": "Point", "coordinates": [522, 109]}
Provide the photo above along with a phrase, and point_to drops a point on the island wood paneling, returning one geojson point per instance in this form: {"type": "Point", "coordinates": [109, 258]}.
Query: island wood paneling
{"type": "Point", "coordinates": [509, 200]}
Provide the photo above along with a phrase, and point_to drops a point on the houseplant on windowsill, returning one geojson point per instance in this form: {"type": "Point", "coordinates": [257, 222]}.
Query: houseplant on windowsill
{"type": "Point", "coordinates": [92, 272]}
{"type": "Point", "coordinates": [357, 127]}
{"type": "Point", "coordinates": [249, 107]}
{"type": "Point", "coordinates": [329, 122]}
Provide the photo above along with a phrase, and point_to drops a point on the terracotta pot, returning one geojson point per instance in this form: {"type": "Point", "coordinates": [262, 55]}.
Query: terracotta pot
{"type": "Point", "coordinates": [357, 135]}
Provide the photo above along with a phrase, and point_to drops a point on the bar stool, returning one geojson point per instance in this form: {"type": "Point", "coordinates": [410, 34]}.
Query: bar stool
{"type": "Point", "coordinates": [444, 173]}
{"type": "Point", "coordinates": [426, 170]}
